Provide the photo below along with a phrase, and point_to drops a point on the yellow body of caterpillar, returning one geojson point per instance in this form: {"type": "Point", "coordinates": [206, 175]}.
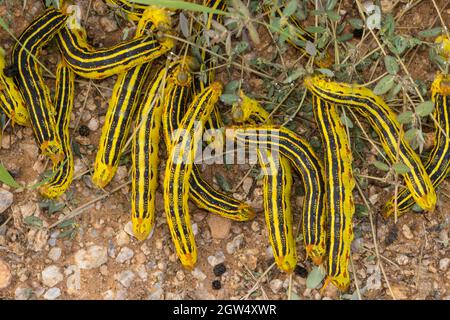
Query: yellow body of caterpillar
{"type": "Point", "coordinates": [29, 78]}
{"type": "Point", "coordinates": [145, 160]}
{"type": "Point", "coordinates": [305, 161]}
{"type": "Point", "coordinates": [178, 171]}
{"type": "Point", "coordinates": [99, 63]}
{"type": "Point", "coordinates": [122, 106]}
{"type": "Point", "coordinates": [64, 96]}
{"type": "Point", "coordinates": [249, 110]}
{"type": "Point", "coordinates": [339, 184]}
{"type": "Point", "coordinates": [277, 208]}
{"type": "Point", "coordinates": [444, 46]}
{"type": "Point", "coordinates": [132, 10]}
{"type": "Point", "coordinates": [383, 120]}
{"type": "Point", "coordinates": [11, 100]}
{"type": "Point", "coordinates": [200, 191]}
{"type": "Point", "coordinates": [438, 161]}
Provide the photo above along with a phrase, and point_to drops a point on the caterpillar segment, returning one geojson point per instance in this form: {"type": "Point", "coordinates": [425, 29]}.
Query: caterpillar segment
{"type": "Point", "coordinates": [438, 161]}
{"type": "Point", "coordinates": [119, 116]}
{"type": "Point", "coordinates": [145, 159]}
{"type": "Point", "coordinates": [200, 191]}
{"type": "Point", "coordinates": [99, 63]}
{"type": "Point", "coordinates": [339, 183]}
{"type": "Point", "coordinates": [277, 184]}
{"type": "Point", "coordinates": [248, 110]}
{"type": "Point", "coordinates": [62, 175]}
{"type": "Point", "coordinates": [443, 49]}
{"type": "Point", "coordinates": [305, 161]}
{"type": "Point", "coordinates": [29, 79]}
{"type": "Point", "coordinates": [384, 122]}
{"type": "Point", "coordinates": [132, 10]}
{"type": "Point", "coordinates": [178, 172]}
{"type": "Point", "coordinates": [11, 100]}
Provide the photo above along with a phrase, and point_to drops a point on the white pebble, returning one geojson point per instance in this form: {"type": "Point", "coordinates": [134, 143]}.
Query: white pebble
{"type": "Point", "coordinates": [126, 278]}
{"type": "Point", "coordinates": [52, 294]}
{"type": "Point", "coordinates": [443, 264]}
{"type": "Point", "coordinates": [54, 253]}
{"type": "Point", "coordinates": [51, 276]}
{"type": "Point", "coordinates": [197, 274]}
{"type": "Point", "coordinates": [276, 285]}
{"type": "Point", "coordinates": [125, 254]}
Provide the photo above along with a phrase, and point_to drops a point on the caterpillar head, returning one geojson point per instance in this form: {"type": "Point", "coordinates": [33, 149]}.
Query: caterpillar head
{"type": "Point", "coordinates": [142, 227]}
{"type": "Point", "coordinates": [103, 173]}
{"type": "Point", "coordinates": [443, 46]}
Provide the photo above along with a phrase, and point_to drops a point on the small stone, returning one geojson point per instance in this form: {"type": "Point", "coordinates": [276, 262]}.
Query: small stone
{"type": "Point", "coordinates": [216, 285]}
{"type": "Point", "coordinates": [157, 294]}
{"type": "Point", "coordinates": [219, 269]}
{"type": "Point", "coordinates": [84, 131]}
{"type": "Point", "coordinates": [91, 258]}
{"type": "Point", "coordinates": [126, 278]}
{"type": "Point", "coordinates": [443, 264]}
{"type": "Point", "coordinates": [219, 226]}
{"type": "Point", "coordinates": [235, 244]}
{"type": "Point", "coordinates": [51, 276]}
{"type": "Point", "coordinates": [141, 272]}
{"type": "Point", "coordinates": [6, 199]}
{"type": "Point", "coordinates": [73, 282]}
{"type": "Point", "coordinates": [108, 24]}
{"type": "Point", "coordinates": [122, 238]}
{"type": "Point", "coordinates": [195, 229]}
{"type": "Point", "coordinates": [407, 232]}
{"type": "Point", "coordinates": [276, 285]}
{"type": "Point", "coordinates": [121, 174]}
{"type": "Point", "coordinates": [402, 260]}
{"type": "Point", "coordinates": [197, 274]}
{"type": "Point", "coordinates": [23, 293]}
{"type": "Point", "coordinates": [145, 249]}
{"type": "Point", "coordinates": [247, 184]}
{"type": "Point", "coordinates": [52, 294]}
{"type": "Point", "coordinates": [128, 228]}
{"type": "Point", "coordinates": [108, 295]}
{"type": "Point", "coordinates": [216, 259]}
{"type": "Point", "coordinates": [93, 124]}
{"type": "Point", "coordinates": [255, 226]}
{"type": "Point", "coordinates": [125, 254]}
{"type": "Point", "coordinates": [54, 254]}
{"type": "Point", "coordinates": [5, 275]}
{"type": "Point", "coordinates": [104, 270]}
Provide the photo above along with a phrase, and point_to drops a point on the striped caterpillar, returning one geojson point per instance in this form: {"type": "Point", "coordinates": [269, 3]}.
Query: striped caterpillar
{"type": "Point", "coordinates": [200, 191]}
{"type": "Point", "coordinates": [63, 102]}
{"type": "Point", "coordinates": [438, 163]}
{"type": "Point", "coordinates": [305, 161]}
{"type": "Point", "coordinates": [385, 124]}
{"type": "Point", "coordinates": [133, 10]}
{"type": "Point", "coordinates": [93, 63]}
{"type": "Point", "coordinates": [277, 184]}
{"type": "Point", "coordinates": [179, 169]}
{"type": "Point", "coordinates": [444, 46]}
{"type": "Point", "coordinates": [339, 183]}
{"type": "Point", "coordinates": [35, 92]}
{"type": "Point", "coordinates": [11, 100]}
{"type": "Point", "coordinates": [124, 99]}
{"type": "Point", "coordinates": [145, 160]}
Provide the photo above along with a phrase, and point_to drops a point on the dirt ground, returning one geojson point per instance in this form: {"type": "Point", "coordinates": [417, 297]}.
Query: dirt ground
{"type": "Point", "coordinates": [97, 258]}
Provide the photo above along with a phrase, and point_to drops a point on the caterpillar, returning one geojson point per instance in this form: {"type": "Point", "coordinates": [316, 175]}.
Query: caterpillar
{"type": "Point", "coordinates": [11, 100]}
{"type": "Point", "coordinates": [122, 105]}
{"type": "Point", "coordinates": [179, 169]}
{"type": "Point", "coordinates": [299, 36]}
{"type": "Point", "coordinates": [444, 46]}
{"type": "Point", "coordinates": [145, 160]}
{"type": "Point", "coordinates": [29, 78]}
{"type": "Point", "coordinates": [305, 161]}
{"type": "Point", "coordinates": [277, 184]}
{"type": "Point", "coordinates": [93, 63]}
{"type": "Point", "coordinates": [438, 162]}
{"type": "Point", "coordinates": [339, 185]}
{"type": "Point", "coordinates": [200, 191]}
{"type": "Point", "coordinates": [249, 110]}
{"type": "Point", "coordinates": [132, 10]}
{"type": "Point", "coordinates": [63, 102]}
{"type": "Point", "coordinates": [385, 124]}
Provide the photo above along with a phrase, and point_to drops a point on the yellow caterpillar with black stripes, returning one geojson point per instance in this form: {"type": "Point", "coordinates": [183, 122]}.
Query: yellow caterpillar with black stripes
{"type": "Point", "coordinates": [64, 96]}
{"type": "Point", "coordinates": [384, 122]}
{"type": "Point", "coordinates": [305, 161]}
{"type": "Point", "coordinates": [132, 10]}
{"type": "Point", "coordinates": [178, 172]}
{"type": "Point", "coordinates": [121, 109]}
{"type": "Point", "coordinates": [339, 184]}
{"type": "Point", "coordinates": [200, 191]}
{"type": "Point", "coordinates": [277, 187]}
{"type": "Point", "coordinates": [145, 159]}
{"type": "Point", "coordinates": [99, 63]}
{"type": "Point", "coordinates": [11, 100]}
{"type": "Point", "coordinates": [438, 161]}
{"type": "Point", "coordinates": [29, 78]}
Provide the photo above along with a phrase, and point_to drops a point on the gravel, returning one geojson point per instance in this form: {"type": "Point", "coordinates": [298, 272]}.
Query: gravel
{"type": "Point", "coordinates": [91, 258]}
{"type": "Point", "coordinates": [6, 199]}
{"type": "Point", "coordinates": [5, 275]}
{"type": "Point", "coordinates": [51, 276]}
{"type": "Point", "coordinates": [52, 294]}
{"type": "Point", "coordinates": [54, 254]}
{"type": "Point", "coordinates": [125, 254]}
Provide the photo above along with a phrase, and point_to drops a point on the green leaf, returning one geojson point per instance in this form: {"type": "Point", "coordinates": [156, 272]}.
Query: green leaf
{"type": "Point", "coordinates": [384, 85]}
{"type": "Point", "coordinates": [344, 37]}
{"type": "Point", "coordinates": [346, 121]}
{"type": "Point", "coordinates": [314, 278]}
{"type": "Point", "coordinates": [66, 224]}
{"type": "Point", "coordinates": [229, 99]}
{"type": "Point", "coordinates": [183, 5]}
{"type": "Point", "coordinates": [381, 165]}
{"type": "Point", "coordinates": [295, 75]}
{"type": "Point", "coordinates": [333, 15]}
{"type": "Point", "coordinates": [290, 8]}
{"type": "Point", "coordinates": [66, 234]}
{"type": "Point", "coordinates": [400, 168]}
{"type": "Point", "coordinates": [33, 221]}
{"type": "Point", "coordinates": [240, 47]}
{"type": "Point", "coordinates": [405, 117]}
{"type": "Point", "coordinates": [6, 178]}
{"type": "Point", "coordinates": [361, 210]}
{"type": "Point", "coordinates": [391, 65]}
{"type": "Point", "coordinates": [295, 296]}
{"type": "Point", "coordinates": [232, 86]}
{"type": "Point", "coordinates": [411, 134]}
{"type": "Point", "coordinates": [356, 23]}
{"type": "Point", "coordinates": [331, 4]}
{"type": "Point", "coordinates": [326, 72]}
{"type": "Point", "coordinates": [314, 29]}
{"type": "Point", "coordinates": [223, 182]}
{"type": "Point", "coordinates": [425, 108]}
{"type": "Point", "coordinates": [430, 33]}
{"type": "Point", "coordinates": [55, 207]}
